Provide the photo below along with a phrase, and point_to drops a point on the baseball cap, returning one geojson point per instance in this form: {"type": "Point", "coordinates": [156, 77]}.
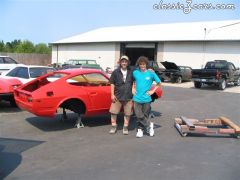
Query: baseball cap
{"type": "Point", "coordinates": [124, 57]}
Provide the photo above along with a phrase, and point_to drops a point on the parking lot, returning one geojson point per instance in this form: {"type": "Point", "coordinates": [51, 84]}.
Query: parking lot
{"type": "Point", "coordinates": [43, 148]}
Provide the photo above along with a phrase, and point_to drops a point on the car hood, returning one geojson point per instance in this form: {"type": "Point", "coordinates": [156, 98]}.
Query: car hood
{"type": "Point", "coordinates": [8, 85]}
{"type": "Point", "coordinates": [169, 65]}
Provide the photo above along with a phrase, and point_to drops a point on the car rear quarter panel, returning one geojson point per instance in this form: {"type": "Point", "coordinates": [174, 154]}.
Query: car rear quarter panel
{"type": "Point", "coordinates": [54, 94]}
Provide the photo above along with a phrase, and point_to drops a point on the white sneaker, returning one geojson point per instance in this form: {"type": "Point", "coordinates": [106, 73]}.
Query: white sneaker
{"type": "Point", "coordinates": [151, 130]}
{"type": "Point", "coordinates": [139, 133]}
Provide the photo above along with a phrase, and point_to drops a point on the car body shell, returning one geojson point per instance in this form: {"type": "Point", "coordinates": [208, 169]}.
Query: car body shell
{"type": "Point", "coordinates": [88, 99]}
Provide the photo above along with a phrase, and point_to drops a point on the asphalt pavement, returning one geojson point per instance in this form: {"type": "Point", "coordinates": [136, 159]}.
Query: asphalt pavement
{"type": "Point", "coordinates": [45, 148]}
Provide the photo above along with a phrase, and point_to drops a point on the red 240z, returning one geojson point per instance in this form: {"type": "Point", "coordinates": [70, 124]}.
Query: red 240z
{"type": "Point", "coordinates": [84, 91]}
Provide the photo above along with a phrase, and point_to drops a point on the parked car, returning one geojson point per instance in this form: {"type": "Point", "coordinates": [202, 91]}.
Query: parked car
{"type": "Point", "coordinates": [18, 76]}
{"type": "Point", "coordinates": [83, 91]}
{"type": "Point", "coordinates": [81, 63]}
{"type": "Point", "coordinates": [154, 66]}
{"type": "Point", "coordinates": [7, 63]}
{"type": "Point", "coordinates": [218, 72]}
{"type": "Point", "coordinates": [172, 72]}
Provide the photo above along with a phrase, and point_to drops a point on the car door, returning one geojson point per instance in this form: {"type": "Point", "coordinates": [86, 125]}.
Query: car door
{"type": "Point", "coordinates": [20, 73]}
{"type": "Point", "coordinates": [99, 91]}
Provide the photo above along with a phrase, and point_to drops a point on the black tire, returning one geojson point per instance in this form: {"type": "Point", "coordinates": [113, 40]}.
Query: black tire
{"type": "Point", "coordinates": [179, 79]}
{"type": "Point", "coordinates": [162, 79]}
{"type": "Point", "coordinates": [222, 85]}
{"type": "Point", "coordinates": [237, 83]}
{"type": "Point", "coordinates": [197, 84]}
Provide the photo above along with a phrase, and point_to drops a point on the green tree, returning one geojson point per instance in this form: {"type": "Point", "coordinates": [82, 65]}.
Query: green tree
{"type": "Point", "coordinates": [8, 47]}
{"type": "Point", "coordinates": [42, 48]}
{"type": "Point", "coordinates": [2, 46]}
{"type": "Point", "coordinates": [25, 47]}
{"type": "Point", "coordinates": [15, 44]}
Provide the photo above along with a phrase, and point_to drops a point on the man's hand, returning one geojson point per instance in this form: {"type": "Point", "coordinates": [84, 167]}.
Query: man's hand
{"type": "Point", "coordinates": [114, 98]}
{"type": "Point", "coordinates": [150, 92]}
{"type": "Point", "coordinates": [133, 91]}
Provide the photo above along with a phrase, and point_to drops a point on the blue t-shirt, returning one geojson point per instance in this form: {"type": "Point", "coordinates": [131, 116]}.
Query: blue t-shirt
{"type": "Point", "coordinates": [144, 82]}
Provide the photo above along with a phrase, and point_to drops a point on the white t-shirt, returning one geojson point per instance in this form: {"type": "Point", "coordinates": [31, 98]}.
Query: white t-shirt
{"type": "Point", "coordinates": [124, 72]}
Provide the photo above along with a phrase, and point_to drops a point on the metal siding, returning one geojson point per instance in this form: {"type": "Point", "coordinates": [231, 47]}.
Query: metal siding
{"type": "Point", "coordinates": [196, 54]}
{"type": "Point", "coordinates": [103, 53]}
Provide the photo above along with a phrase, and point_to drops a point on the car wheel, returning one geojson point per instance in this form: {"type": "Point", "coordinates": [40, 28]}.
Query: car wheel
{"type": "Point", "coordinates": [197, 84]}
{"type": "Point", "coordinates": [237, 83]}
{"type": "Point", "coordinates": [162, 79]}
{"type": "Point", "coordinates": [223, 84]}
{"type": "Point", "coordinates": [179, 79]}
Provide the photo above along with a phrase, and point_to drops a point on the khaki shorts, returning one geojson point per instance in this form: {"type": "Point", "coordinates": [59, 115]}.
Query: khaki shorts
{"type": "Point", "coordinates": [127, 107]}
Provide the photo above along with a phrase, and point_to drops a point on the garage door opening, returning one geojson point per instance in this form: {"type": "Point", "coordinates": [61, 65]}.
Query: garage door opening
{"type": "Point", "coordinates": [134, 51]}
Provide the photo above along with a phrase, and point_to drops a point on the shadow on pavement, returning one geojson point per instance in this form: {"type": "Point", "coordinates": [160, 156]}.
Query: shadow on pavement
{"type": "Point", "coordinates": [55, 124]}
{"type": "Point", "coordinates": [10, 154]}
{"type": "Point", "coordinates": [7, 108]}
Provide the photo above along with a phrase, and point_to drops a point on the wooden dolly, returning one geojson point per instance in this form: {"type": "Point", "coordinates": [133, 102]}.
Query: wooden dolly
{"type": "Point", "coordinates": [219, 126]}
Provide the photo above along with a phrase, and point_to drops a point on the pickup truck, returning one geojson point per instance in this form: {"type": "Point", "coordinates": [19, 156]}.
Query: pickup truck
{"type": "Point", "coordinates": [218, 72]}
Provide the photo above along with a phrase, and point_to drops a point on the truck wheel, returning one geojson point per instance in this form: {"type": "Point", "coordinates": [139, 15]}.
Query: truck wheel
{"type": "Point", "coordinates": [179, 79]}
{"type": "Point", "coordinates": [197, 84]}
{"type": "Point", "coordinates": [223, 84]}
{"type": "Point", "coordinates": [237, 83]}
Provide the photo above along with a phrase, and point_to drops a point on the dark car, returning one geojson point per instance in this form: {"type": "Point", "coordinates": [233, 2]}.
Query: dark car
{"type": "Point", "coordinates": [175, 73]}
{"type": "Point", "coordinates": [154, 65]}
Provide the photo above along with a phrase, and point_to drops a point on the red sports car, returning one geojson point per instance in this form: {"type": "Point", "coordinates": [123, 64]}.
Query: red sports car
{"type": "Point", "coordinates": [83, 91]}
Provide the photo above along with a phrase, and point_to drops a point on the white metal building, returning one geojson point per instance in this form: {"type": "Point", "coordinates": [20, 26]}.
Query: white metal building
{"type": "Point", "coordinates": [190, 44]}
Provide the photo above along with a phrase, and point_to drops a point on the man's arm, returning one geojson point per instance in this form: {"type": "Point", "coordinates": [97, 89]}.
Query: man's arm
{"type": "Point", "coordinates": [150, 92]}
{"type": "Point", "coordinates": [113, 97]}
{"type": "Point", "coordinates": [134, 88]}
{"type": "Point", "coordinates": [158, 81]}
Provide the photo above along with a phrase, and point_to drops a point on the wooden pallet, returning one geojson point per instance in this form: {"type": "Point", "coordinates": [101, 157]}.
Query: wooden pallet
{"type": "Point", "coordinates": [219, 126]}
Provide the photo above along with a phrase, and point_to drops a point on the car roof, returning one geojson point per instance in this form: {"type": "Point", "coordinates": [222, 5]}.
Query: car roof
{"type": "Point", "coordinates": [30, 66]}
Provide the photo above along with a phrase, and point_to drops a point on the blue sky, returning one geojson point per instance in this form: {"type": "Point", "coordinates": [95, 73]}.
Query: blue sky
{"type": "Point", "coordinates": [51, 20]}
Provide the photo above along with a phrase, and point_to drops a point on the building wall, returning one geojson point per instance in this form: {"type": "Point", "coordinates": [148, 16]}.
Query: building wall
{"type": "Point", "coordinates": [103, 53]}
{"type": "Point", "coordinates": [30, 58]}
{"type": "Point", "coordinates": [196, 54]}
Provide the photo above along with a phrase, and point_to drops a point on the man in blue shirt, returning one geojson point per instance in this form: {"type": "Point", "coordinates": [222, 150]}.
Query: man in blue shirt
{"type": "Point", "coordinates": [142, 95]}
